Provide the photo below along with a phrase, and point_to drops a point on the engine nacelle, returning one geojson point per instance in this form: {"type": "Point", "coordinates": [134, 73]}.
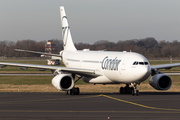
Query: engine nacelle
{"type": "Point", "coordinates": [63, 82]}
{"type": "Point", "coordinates": [160, 81]}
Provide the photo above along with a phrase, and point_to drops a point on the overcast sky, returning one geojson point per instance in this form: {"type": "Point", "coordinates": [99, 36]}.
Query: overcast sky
{"type": "Point", "coordinates": [91, 20]}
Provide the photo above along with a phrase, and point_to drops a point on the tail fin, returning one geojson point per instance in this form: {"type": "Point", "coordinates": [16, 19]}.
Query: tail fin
{"type": "Point", "coordinates": [66, 34]}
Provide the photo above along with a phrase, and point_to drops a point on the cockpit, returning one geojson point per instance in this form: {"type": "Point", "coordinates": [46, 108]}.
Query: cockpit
{"type": "Point", "coordinates": [140, 63]}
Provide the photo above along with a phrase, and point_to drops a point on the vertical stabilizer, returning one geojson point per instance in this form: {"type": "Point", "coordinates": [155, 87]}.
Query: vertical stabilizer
{"type": "Point", "coordinates": [66, 34]}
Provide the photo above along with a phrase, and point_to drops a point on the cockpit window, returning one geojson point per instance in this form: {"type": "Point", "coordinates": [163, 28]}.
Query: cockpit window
{"type": "Point", "coordinates": [135, 63]}
{"type": "Point", "coordinates": [140, 63]}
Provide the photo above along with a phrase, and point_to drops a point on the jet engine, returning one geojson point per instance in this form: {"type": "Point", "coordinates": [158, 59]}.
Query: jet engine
{"type": "Point", "coordinates": [63, 82]}
{"type": "Point", "coordinates": [160, 81]}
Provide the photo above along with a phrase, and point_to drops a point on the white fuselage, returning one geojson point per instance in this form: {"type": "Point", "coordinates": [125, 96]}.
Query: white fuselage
{"type": "Point", "coordinates": [110, 67]}
{"type": "Point", "coordinates": [114, 67]}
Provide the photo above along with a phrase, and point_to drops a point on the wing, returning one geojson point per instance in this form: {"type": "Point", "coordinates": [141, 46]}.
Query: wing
{"type": "Point", "coordinates": [79, 71]}
{"type": "Point", "coordinates": [57, 55]}
{"type": "Point", "coordinates": [165, 66]}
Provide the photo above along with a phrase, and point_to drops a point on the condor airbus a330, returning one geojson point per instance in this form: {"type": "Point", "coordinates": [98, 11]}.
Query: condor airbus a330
{"type": "Point", "coordinates": [100, 67]}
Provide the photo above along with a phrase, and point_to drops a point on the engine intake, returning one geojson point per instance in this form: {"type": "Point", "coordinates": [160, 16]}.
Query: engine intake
{"type": "Point", "coordinates": [66, 82]}
{"type": "Point", "coordinates": [160, 81]}
{"type": "Point", "coordinates": [63, 82]}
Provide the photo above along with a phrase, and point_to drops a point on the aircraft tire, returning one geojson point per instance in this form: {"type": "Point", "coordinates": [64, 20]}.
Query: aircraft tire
{"type": "Point", "coordinates": [133, 92]}
{"type": "Point", "coordinates": [71, 91]}
{"type": "Point", "coordinates": [74, 91]}
{"type": "Point", "coordinates": [77, 91]}
{"type": "Point", "coordinates": [131, 89]}
{"type": "Point", "coordinates": [121, 90]}
{"type": "Point", "coordinates": [137, 92]}
{"type": "Point", "coordinates": [124, 90]}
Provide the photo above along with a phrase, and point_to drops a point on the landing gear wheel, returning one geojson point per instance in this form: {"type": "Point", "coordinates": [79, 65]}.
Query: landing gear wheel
{"type": "Point", "coordinates": [74, 91]}
{"type": "Point", "coordinates": [131, 89]}
{"type": "Point", "coordinates": [121, 90]}
{"type": "Point", "coordinates": [137, 92]}
{"type": "Point", "coordinates": [71, 91]}
{"type": "Point", "coordinates": [125, 90]}
{"type": "Point", "coordinates": [133, 92]}
{"type": "Point", "coordinates": [77, 91]}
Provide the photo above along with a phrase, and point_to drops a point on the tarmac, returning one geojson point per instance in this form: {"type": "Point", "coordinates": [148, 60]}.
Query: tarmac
{"type": "Point", "coordinates": [89, 106]}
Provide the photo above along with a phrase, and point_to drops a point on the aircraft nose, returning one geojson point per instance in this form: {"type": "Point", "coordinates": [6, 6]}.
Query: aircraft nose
{"type": "Point", "coordinates": [144, 72]}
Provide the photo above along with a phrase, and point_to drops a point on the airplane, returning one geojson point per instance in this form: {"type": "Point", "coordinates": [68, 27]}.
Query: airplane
{"type": "Point", "coordinates": [99, 67]}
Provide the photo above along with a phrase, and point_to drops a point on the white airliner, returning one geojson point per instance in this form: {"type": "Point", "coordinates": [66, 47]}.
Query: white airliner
{"type": "Point", "coordinates": [100, 67]}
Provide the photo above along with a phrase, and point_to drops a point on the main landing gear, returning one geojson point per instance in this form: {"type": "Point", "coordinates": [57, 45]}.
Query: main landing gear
{"type": "Point", "coordinates": [74, 90]}
{"type": "Point", "coordinates": [129, 90]}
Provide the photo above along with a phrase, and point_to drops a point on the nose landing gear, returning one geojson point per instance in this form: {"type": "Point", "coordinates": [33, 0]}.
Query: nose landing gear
{"type": "Point", "coordinates": [135, 91]}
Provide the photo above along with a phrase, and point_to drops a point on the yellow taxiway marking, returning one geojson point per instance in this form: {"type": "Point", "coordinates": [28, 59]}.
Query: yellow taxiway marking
{"type": "Point", "coordinates": [144, 106]}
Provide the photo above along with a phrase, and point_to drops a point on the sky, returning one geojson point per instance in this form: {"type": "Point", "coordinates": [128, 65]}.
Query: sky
{"type": "Point", "coordinates": [91, 20]}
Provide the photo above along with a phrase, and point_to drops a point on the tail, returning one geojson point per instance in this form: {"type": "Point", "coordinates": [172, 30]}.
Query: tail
{"type": "Point", "coordinates": [66, 34]}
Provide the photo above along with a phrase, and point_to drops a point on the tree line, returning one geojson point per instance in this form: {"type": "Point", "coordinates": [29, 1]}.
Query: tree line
{"type": "Point", "coordinates": [7, 47]}
{"type": "Point", "coordinates": [149, 47]}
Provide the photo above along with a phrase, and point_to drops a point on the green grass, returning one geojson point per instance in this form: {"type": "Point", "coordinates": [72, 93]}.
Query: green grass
{"type": "Point", "coordinates": [80, 82]}
{"type": "Point", "coordinates": [30, 80]}
{"type": "Point", "coordinates": [26, 80]}
{"type": "Point", "coordinates": [17, 69]}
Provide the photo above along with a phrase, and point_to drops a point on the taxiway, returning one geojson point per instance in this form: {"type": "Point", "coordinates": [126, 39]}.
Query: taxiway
{"type": "Point", "coordinates": [89, 106]}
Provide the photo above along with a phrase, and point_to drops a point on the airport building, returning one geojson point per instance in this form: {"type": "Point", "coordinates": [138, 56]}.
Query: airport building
{"type": "Point", "coordinates": [50, 47]}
